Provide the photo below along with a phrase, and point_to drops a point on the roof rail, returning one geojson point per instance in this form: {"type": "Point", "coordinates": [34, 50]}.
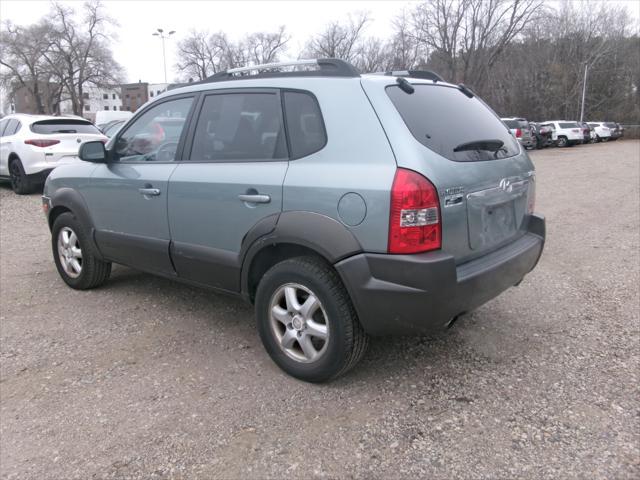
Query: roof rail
{"type": "Point", "coordinates": [425, 74]}
{"type": "Point", "coordinates": [326, 67]}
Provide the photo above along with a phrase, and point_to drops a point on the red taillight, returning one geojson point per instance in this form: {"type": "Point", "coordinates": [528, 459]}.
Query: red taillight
{"type": "Point", "coordinates": [518, 133]}
{"type": "Point", "coordinates": [414, 220]}
{"type": "Point", "coordinates": [41, 142]}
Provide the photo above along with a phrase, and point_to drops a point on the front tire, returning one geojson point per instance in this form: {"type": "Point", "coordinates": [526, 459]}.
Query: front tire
{"type": "Point", "coordinates": [307, 322]}
{"type": "Point", "coordinates": [74, 256]}
{"type": "Point", "coordinates": [20, 182]}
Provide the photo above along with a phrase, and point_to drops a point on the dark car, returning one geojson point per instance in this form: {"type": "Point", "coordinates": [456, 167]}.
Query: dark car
{"type": "Point", "coordinates": [586, 131]}
{"type": "Point", "coordinates": [616, 133]}
{"type": "Point", "coordinates": [543, 135]}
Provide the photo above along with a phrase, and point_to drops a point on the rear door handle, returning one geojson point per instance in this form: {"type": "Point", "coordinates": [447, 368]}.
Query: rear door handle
{"type": "Point", "coordinates": [153, 192]}
{"type": "Point", "coordinates": [255, 198]}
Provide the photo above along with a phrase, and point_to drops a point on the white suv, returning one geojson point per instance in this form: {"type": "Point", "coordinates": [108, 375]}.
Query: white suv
{"type": "Point", "coordinates": [566, 133]}
{"type": "Point", "coordinates": [603, 132]}
{"type": "Point", "coordinates": [33, 145]}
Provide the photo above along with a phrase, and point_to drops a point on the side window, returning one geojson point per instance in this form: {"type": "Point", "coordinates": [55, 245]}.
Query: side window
{"type": "Point", "coordinates": [239, 126]}
{"type": "Point", "coordinates": [154, 136]}
{"type": "Point", "coordinates": [17, 127]}
{"type": "Point", "coordinates": [305, 126]}
{"type": "Point", "coordinates": [10, 127]}
{"type": "Point", "coordinates": [3, 125]}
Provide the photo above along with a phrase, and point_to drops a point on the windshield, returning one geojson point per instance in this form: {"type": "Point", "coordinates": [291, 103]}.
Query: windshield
{"type": "Point", "coordinates": [49, 127]}
{"type": "Point", "coordinates": [453, 125]}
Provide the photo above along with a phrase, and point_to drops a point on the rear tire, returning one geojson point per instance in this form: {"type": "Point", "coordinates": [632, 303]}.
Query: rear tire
{"type": "Point", "coordinates": [20, 182]}
{"type": "Point", "coordinates": [286, 329]}
{"type": "Point", "coordinates": [74, 256]}
{"type": "Point", "coordinates": [562, 142]}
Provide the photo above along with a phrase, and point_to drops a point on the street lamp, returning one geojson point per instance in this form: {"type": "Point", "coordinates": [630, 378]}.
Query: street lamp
{"type": "Point", "coordinates": [160, 33]}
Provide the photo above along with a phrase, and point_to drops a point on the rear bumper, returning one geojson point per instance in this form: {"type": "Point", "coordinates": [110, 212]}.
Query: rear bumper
{"type": "Point", "coordinates": [41, 176]}
{"type": "Point", "coordinates": [409, 294]}
{"type": "Point", "coordinates": [48, 163]}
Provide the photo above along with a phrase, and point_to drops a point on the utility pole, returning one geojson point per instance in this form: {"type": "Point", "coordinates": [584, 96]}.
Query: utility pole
{"type": "Point", "coordinates": [584, 91]}
{"type": "Point", "coordinates": [160, 33]}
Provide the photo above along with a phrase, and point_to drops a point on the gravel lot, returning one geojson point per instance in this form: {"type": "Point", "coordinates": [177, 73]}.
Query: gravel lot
{"type": "Point", "coordinates": [145, 378]}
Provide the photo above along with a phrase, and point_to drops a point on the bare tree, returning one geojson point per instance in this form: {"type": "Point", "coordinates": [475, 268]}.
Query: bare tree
{"type": "Point", "coordinates": [406, 52]}
{"type": "Point", "coordinates": [22, 56]}
{"type": "Point", "coordinates": [265, 47]}
{"type": "Point", "coordinates": [339, 40]}
{"type": "Point", "coordinates": [196, 58]}
{"type": "Point", "coordinates": [79, 53]}
{"type": "Point", "coordinates": [202, 54]}
{"type": "Point", "coordinates": [468, 37]}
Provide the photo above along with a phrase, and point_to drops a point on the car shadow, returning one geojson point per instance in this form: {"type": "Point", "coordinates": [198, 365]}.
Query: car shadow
{"type": "Point", "coordinates": [387, 357]}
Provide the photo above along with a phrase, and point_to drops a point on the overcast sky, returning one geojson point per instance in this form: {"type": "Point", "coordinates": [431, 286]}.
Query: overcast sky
{"type": "Point", "coordinates": [141, 53]}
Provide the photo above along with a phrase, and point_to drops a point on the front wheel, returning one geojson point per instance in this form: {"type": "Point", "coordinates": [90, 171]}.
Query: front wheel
{"type": "Point", "coordinates": [307, 322]}
{"type": "Point", "coordinates": [73, 254]}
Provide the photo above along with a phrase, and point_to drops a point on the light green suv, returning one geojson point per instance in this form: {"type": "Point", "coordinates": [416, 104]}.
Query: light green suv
{"type": "Point", "coordinates": [342, 205]}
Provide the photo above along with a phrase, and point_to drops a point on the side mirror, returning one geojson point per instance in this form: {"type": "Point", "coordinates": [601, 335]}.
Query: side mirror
{"type": "Point", "coordinates": [93, 152]}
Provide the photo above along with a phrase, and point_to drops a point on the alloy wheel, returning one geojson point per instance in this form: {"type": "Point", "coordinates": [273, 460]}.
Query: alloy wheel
{"type": "Point", "coordinates": [299, 323]}
{"type": "Point", "coordinates": [69, 252]}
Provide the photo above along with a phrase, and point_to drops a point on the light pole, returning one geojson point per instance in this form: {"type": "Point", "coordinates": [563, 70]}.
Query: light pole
{"type": "Point", "coordinates": [160, 33]}
{"type": "Point", "coordinates": [584, 91]}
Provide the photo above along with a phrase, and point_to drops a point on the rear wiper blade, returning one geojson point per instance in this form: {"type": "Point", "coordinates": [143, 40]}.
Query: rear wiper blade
{"type": "Point", "coordinates": [489, 145]}
{"type": "Point", "coordinates": [65, 131]}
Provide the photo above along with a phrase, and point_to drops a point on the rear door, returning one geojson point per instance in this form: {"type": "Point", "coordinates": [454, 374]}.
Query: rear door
{"type": "Point", "coordinates": [483, 177]}
{"type": "Point", "coordinates": [7, 127]}
{"type": "Point", "coordinates": [231, 179]}
{"type": "Point", "coordinates": [127, 197]}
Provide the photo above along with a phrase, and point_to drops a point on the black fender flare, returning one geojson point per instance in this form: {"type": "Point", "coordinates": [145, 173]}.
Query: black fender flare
{"type": "Point", "coordinates": [72, 200]}
{"type": "Point", "coordinates": [326, 236]}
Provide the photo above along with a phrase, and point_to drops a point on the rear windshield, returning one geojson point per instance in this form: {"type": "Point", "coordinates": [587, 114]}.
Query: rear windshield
{"type": "Point", "coordinates": [568, 125]}
{"type": "Point", "coordinates": [515, 123]}
{"type": "Point", "coordinates": [611, 125]}
{"type": "Point", "coordinates": [48, 127]}
{"type": "Point", "coordinates": [444, 119]}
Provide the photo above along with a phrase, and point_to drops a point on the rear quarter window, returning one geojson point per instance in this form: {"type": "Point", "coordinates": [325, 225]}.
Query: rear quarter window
{"type": "Point", "coordinates": [51, 127]}
{"type": "Point", "coordinates": [305, 125]}
{"type": "Point", "coordinates": [11, 127]}
{"type": "Point", "coordinates": [444, 119]}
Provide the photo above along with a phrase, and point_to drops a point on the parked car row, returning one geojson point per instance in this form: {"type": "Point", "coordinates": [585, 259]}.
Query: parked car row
{"type": "Point", "coordinates": [31, 146]}
{"type": "Point", "coordinates": [561, 133]}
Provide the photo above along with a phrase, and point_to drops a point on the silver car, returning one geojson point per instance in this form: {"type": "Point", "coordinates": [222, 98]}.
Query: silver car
{"type": "Point", "coordinates": [341, 205]}
{"type": "Point", "coordinates": [520, 128]}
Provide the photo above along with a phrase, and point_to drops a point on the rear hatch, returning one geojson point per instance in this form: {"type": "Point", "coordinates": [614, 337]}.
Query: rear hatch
{"type": "Point", "coordinates": [64, 136]}
{"type": "Point", "coordinates": [519, 128]}
{"type": "Point", "coordinates": [484, 178]}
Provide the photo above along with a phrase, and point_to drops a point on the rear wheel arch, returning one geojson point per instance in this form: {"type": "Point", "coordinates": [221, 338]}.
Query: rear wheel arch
{"type": "Point", "coordinates": [295, 234]}
{"type": "Point", "coordinates": [266, 257]}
